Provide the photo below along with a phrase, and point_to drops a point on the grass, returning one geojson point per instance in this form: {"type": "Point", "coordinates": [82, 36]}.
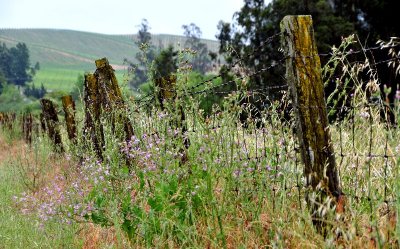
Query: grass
{"type": "Point", "coordinates": [60, 79]}
{"type": "Point", "coordinates": [238, 184]}
{"type": "Point", "coordinates": [16, 229]}
{"type": "Point", "coordinates": [70, 49]}
{"type": "Point", "coordinates": [219, 198]}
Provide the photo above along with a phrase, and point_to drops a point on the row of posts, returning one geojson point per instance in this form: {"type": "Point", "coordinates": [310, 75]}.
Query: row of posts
{"type": "Point", "coordinates": [103, 99]}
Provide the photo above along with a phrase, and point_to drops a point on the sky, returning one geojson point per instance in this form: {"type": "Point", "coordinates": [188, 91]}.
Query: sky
{"type": "Point", "coordinates": [118, 16]}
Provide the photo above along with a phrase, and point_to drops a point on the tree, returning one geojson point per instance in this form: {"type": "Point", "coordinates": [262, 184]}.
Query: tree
{"type": "Point", "coordinates": [146, 54]}
{"type": "Point", "coordinates": [2, 81]}
{"type": "Point", "coordinates": [77, 90]}
{"type": "Point", "coordinates": [15, 65]}
{"type": "Point", "coordinates": [32, 91]}
{"type": "Point", "coordinates": [376, 20]}
{"type": "Point", "coordinates": [20, 64]}
{"type": "Point", "coordinates": [166, 63]}
{"type": "Point", "coordinates": [201, 61]}
{"type": "Point", "coordinates": [256, 22]}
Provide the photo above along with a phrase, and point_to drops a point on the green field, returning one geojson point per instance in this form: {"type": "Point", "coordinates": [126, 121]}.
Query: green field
{"type": "Point", "coordinates": [63, 79]}
{"type": "Point", "coordinates": [65, 54]}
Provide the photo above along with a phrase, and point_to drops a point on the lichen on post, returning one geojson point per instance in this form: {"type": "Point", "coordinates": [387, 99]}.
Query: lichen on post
{"type": "Point", "coordinates": [51, 119]}
{"type": "Point", "coordinates": [93, 129]}
{"type": "Point", "coordinates": [69, 111]}
{"type": "Point", "coordinates": [303, 73]}
{"type": "Point", "coordinates": [111, 96]}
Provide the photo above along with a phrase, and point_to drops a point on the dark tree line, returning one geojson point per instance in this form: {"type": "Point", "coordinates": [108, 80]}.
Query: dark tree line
{"type": "Point", "coordinates": [157, 62]}
{"type": "Point", "coordinates": [15, 65]}
{"type": "Point", "coordinates": [35, 92]}
{"type": "Point", "coordinates": [15, 69]}
{"type": "Point", "coordinates": [251, 27]}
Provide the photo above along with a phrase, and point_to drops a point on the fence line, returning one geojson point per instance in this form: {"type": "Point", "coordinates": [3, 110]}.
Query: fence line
{"type": "Point", "coordinates": [263, 144]}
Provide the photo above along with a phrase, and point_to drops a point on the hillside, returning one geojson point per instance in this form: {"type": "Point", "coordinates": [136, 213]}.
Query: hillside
{"type": "Point", "coordinates": [64, 54]}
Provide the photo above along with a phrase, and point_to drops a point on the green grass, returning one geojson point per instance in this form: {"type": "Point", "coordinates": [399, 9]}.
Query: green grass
{"type": "Point", "coordinates": [22, 231]}
{"type": "Point", "coordinates": [59, 79]}
{"type": "Point", "coordinates": [70, 49]}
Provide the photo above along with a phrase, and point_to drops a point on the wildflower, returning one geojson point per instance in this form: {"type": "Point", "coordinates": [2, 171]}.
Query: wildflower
{"type": "Point", "coordinates": [236, 173]}
{"type": "Point", "coordinates": [397, 95]}
{"type": "Point", "coordinates": [364, 114]}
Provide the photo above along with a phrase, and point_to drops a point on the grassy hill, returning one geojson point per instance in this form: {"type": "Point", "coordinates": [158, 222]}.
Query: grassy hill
{"type": "Point", "coordinates": [64, 54]}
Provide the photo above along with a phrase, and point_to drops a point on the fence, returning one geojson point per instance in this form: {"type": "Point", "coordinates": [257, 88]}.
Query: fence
{"type": "Point", "coordinates": [353, 159]}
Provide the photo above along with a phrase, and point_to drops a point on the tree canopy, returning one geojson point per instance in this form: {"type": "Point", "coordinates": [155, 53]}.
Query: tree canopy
{"type": "Point", "coordinates": [201, 61]}
{"type": "Point", "coordinates": [15, 64]}
{"type": "Point", "coordinates": [246, 39]}
{"type": "Point", "coordinates": [144, 57]}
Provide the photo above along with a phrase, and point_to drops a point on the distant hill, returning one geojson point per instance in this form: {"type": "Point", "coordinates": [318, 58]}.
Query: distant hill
{"type": "Point", "coordinates": [63, 54]}
{"type": "Point", "coordinates": [78, 50]}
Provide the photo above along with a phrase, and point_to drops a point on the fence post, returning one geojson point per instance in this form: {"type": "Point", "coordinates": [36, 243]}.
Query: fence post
{"type": "Point", "coordinates": [69, 111]}
{"type": "Point", "coordinates": [93, 129]}
{"type": "Point", "coordinates": [50, 115]}
{"type": "Point", "coordinates": [303, 73]}
{"type": "Point", "coordinates": [111, 97]}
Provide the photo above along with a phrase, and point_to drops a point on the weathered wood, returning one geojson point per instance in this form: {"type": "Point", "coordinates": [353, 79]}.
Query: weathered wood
{"type": "Point", "coordinates": [167, 92]}
{"type": "Point", "coordinates": [303, 72]}
{"type": "Point", "coordinates": [50, 115]}
{"type": "Point", "coordinates": [42, 123]}
{"type": "Point", "coordinates": [93, 130]}
{"type": "Point", "coordinates": [27, 125]}
{"type": "Point", "coordinates": [166, 89]}
{"type": "Point", "coordinates": [111, 97]}
{"type": "Point", "coordinates": [69, 111]}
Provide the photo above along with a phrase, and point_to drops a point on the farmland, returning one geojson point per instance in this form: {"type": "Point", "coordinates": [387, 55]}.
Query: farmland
{"type": "Point", "coordinates": [65, 54]}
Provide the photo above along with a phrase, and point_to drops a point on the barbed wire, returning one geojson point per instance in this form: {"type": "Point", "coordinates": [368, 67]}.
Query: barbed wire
{"type": "Point", "coordinates": [363, 50]}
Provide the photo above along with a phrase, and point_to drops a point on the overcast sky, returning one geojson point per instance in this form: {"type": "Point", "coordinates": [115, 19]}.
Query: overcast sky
{"type": "Point", "coordinates": [118, 16]}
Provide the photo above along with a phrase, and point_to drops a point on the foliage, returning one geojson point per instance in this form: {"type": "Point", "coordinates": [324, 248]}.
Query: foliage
{"type": "Point", "coordinates": [201, 61]}
{"type": "Point", "coordinates": [11, 99]}
{"type": "Point", "coordinates": [2, 81]}
{"type": "Point", "coordinates": [166, 63]}
{"type": "Point", "coordinates": [15, 64]}
{"type": "Point", "coordinates": [367, 16]}
{"type": "Point", "coordinates": [32, 91]}
{"type": "Point", "coordinates": [234, 186]}
{"type": "Point", "coordinates": [247, 38]}
{"type": "Point", "coordinates": [77, 90]}
{"type": "Point", "coordinates": [144, 57]}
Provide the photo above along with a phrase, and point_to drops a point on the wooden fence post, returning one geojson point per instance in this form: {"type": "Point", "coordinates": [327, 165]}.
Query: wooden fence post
{"type": "Point", "coordinates": [111, 97]}
{"type": "Point", "coordinates": [303, 72]}
{"type": "Point", "coordinates": [69, 111]}
{"type": "Point", "coordinates": [93, 128]}
{"type": "Point", "coordinates": [50, 115]}
{"type": "Point", "coordinates": [27, 124]}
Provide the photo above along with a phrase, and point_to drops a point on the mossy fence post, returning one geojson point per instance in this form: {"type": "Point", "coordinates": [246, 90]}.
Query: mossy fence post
{"type": "Point", "coordinates": [69, 111]}
{"type": "Point", "coordinates": [303, 73]}
{"type": "Point", "coordinates": [52, 124]}
{"type": "Point", "coordinates": [93, 129]}
{"type": "Point", "coordinates": [111, 97]}
{"type": "Point", "coordinates": [27, 126]}
{"type": "Point", "coordinates": [167, 91]}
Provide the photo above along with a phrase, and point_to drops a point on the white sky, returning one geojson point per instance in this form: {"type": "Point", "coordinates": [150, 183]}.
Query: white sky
{"type": "Point", "coordinates": [118, 16]}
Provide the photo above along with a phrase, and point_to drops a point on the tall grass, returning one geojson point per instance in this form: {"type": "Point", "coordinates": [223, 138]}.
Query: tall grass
{"type": "Point", "coordinates": [239, 184]}
{"type": "Point", "coordinates": [18, 230]}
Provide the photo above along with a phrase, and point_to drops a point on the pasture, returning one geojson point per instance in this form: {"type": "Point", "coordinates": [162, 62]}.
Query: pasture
{"type": "Point", "coordinates": [160, 171]}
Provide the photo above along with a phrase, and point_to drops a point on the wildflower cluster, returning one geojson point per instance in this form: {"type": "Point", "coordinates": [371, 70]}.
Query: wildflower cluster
{"type": "Point", "coordinates": [66, 197]}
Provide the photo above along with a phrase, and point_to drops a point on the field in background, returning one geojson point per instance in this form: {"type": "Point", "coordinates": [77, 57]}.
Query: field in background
{"type": "Point", "coordinates": [65, 54]}
{"type": "Point", "coordinates": [64, 79]}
